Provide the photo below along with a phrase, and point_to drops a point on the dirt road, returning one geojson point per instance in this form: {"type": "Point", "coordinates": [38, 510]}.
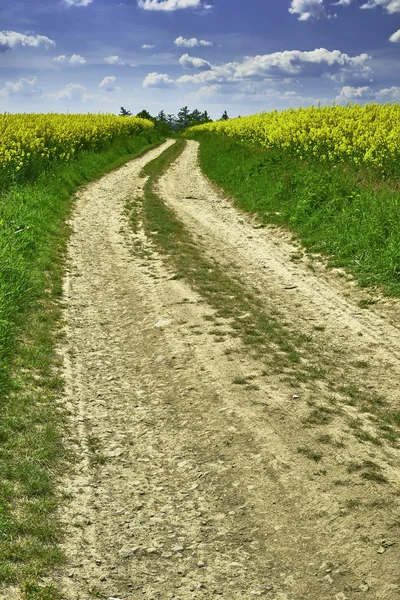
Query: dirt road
{"type": "Point", "coordinates": [200, 471]}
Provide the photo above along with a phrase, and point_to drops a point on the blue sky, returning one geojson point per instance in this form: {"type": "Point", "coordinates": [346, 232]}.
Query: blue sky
{"type": "Point", "coordinates": [215, 55]}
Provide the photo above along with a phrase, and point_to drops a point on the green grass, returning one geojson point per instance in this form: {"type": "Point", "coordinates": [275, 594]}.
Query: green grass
{"type": "Point", "coordinates": [310, 454]}
{"type": "Point", "coordinates": [343, 213]}
{"type": "Point", "coordinates": [33, 241]}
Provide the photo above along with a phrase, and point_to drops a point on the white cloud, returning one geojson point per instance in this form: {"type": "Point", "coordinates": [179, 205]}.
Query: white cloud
{"type": "Point", "coordinates": [191, 43]}
{"type": "Point", "coordinates": [114, 60]}
{"type": "Point", "coordinates": [349, 93]}
{"type": "Point", "coordinates": [158, 80]}
{"type": "Point", "coordinates": [107, 85]}
{"type": "Point", "coordinates": [169, 5]}
{"type": "Point", "coordinates": [395, 37]}
{"type": "Point", "coordinates": [147, 46]}
{"type": "Point", "coordinates": [316, 63]}
{"type": "Point", "coordinates": [78, 2]}
{"type": "Point", "coordinates": [389, 94]}
{"type": "Point", "coordinates": [342, 3]}
{"type": "Point", "coordinates": [73, 91]}
{"type": "Point", "coordinates": [366, 94]}
{"type": "Point", "coordinates": [191, 62]}
{"type": "Point", "coordinates": [75, 59]}
{"type": "Point", "coordinates": [391, 6]}
{"type": "Point", "coordinates": [308, 9]}
{"type": "Point", "coordinates": [11, 39]}
{"type": "Point", "coordinates": [23, 88]}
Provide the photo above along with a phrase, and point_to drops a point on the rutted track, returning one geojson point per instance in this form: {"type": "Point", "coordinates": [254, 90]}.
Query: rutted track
{"type": "Point", "coordinates": [187, 485]}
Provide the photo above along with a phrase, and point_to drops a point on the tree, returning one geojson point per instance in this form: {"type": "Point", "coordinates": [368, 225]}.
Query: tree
{"type": "Point", "coordinates": [125, 113]}
{"type": "Point", "coordinates": [195, 117]}
{"type": "Point", "coordinates": [143, 114]}
{"type": "Point", "coordinates": [205, 118]}
{"type": "Point", "coordinates": [224, 116]}
{"type": "Point", "coordinates": [183, 120]}
{"type": "Point", "coordinates": [162, 124]}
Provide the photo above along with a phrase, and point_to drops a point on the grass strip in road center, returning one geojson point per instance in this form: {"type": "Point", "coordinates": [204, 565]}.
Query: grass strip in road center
{"type": "Point", "coordinates": [231, 300]}
{"type": "Point", "coordinates": [35, 233]}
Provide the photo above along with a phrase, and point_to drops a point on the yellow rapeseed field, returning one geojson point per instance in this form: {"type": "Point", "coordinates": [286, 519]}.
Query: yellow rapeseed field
{"type": "Point", "coordinates": [28, 142]}
{"type": "Point", "coordinates": [368, 135]}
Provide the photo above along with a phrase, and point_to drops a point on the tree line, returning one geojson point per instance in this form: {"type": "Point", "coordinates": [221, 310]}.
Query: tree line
{"type": "Point", "coordinates": [168, 124]}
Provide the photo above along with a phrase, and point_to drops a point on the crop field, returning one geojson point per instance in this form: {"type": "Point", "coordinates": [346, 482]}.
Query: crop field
{"type": "Point", "coordinates": [366, 136]}
{"type": "Point", "coordinates": [30, 143]}
{"type": "Point", "coordinates": [329, 174]}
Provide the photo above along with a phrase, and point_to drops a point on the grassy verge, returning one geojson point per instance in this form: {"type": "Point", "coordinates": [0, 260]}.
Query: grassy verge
{"type": "Point", "coordinates": [344, 213]}
{"type": "Point", "coordinates": [34, 236]}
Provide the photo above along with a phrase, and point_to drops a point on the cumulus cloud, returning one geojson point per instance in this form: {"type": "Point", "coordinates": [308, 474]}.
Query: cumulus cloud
{"type": "Point", "coordinates": [191, 62]}
{"type": "Point", "coordinates": [107, 85]}
{"type": "Point", "coordinates": [349, 93]}
{"type": "Point", "coordinates": [78, 2]}
{"type": "Point", "coordinates": [389, 94]}
{"type": "Point", "coordinates": [114, 59]}
{"type": "Point", "coordinates": [391, 6]}
{"type": "Point", "coordinates": [395, 37]}
{"type": "Point", "coordinates": [170, 5]}
{"type": "Point", "coordinates": [11, 39]}
{"type": "Point", "coordinates": [147, 46]}
{"type": "Point", "coordinates": [73, 91]}
{"type": "Point", "coordinates": [294, 63]}
{"type": "Point", "coordinates": [308, 9]}
{"type": "Point", "coordinates": [367, 94]}
{"type": "Point", "coordinates": [75, 59]}
{"type": "Point", "coordinates": [23, 88]}
{"type": "Point", "coordinates": [191, 42]}
{"type": "Point", "coordinates": [158, 80]}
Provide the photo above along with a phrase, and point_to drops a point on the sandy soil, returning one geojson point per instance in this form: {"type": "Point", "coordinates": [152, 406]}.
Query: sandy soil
{"type": "Point", "coordinates": [185, 484]}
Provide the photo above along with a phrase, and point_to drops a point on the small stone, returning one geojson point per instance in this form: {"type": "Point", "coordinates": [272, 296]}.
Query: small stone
{"type": "Point", "coordinates": [328, 578]}
{"type": "Point", "coordinates": [381, 550]}
{"type": "Point", "coordinates": [295, 396]}
{"type": "Point", "coordinates": [201, 564]}
{"type": "Point", "coordinates": [160, 358]}
{"type": "Point", "coordinates": [103, 578]}
{"type": "Point", "coordinates": [364, 587]}
{"type": "Point", "coordinates": [341, 596]}
{"type": "Point", "coordinates": [162, 323]}
{"type": "Point", "coordinates": [151, 550]}
{"type": "Point", "coordinates": [128, 551]}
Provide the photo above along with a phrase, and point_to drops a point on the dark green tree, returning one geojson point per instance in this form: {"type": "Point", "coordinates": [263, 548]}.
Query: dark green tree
{"type": "Point", "coordinates": [205, 118]}
{"type": "Point", "coordinates": [124, 113]}
{"type": "Point", "coordinates": [183, 120]}
{"type": "Point", "coordinates": [143, 114]}
{"type": "Point", "coordinates": [224, 116]}
{"type": "Point", "coordinates": [162, 124]}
